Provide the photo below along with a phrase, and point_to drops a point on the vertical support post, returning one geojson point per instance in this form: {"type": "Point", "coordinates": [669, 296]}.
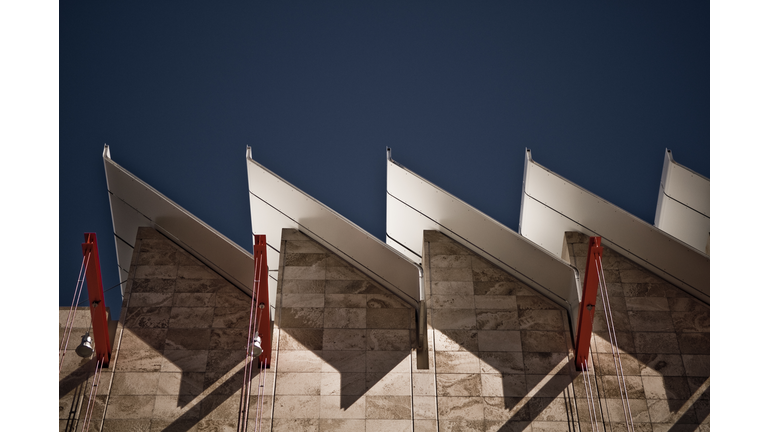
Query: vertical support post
{"type": "Point", "coordinates": [96, 300]}
{"type": "Point", "coordinates": [588, 300]}
{"type": "Point", "coordinates": [261, 285]}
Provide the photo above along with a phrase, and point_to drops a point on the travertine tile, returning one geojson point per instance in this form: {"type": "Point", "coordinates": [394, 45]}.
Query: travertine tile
{"type": "Point", "coordinates": [303, 286]}
{"type": "Point", "coordinates": [390, 318]}
{"type": "Point", "coordinates": [153, 299]}
{"type": "Point", "coordinates": [650, 321]}
{"type": "Point", "coordinates": [499, 340]}
{"type": "Point", "coordinates": [346, 300]}
{"type": "Point", "coordinates": [311, 273]}
{"type": "Point", "coordinates": [637, 407]}
{"type": "Point", "coordinates": [503, 385]}
{"type": "Point", "coordinates": [656, 387]}
{"type": "Point", "coordinates": [496, 302]}
{"type": "Point", "coordinates": [385, 300]}
{"type": "Point", "coordinates": [143, 338]}
{"type": "Point", "coordinates": [147, 317]}
{"type": "Point", "coordinates": [224, 360]}
{"type": "Point", "coordinates": [300, 361]}
{"type": "Point", "coordinates": [343, 273]}
{"type": "Point", "coordinates": [424, 385]}
{"type": "Point", "coordinates": [696, 365]}
{"type": "Point", "coordinates": [545, 363]}
{"type": "Point", "coordinates": [175, 383]}
{"type": "Point", "coordinates": [662, 343]}
{"type": "Point", "coordinates": [501, 288]}
{"type": "Point", "coordinates": [425, 425]}
{"type": "Point", "coordinates": [344, 407]}
{"type": "Point", "coordinates": [388, 407]}
{"type": "Point", "coordinates": [450, 274]}
{"type": "Point", "coordinates": [424, 407]}
{"type": "Point", "coordinates": [613, 385]}
{"type": "Point", "coordinates": [303, 300]}
{"type": "Point", "coordinates": [452, 301]}
{"type": "Point", "coordinates": [196, 272]}
{"type": "Point", "coordinates": [458, 384]}
{"type": "Point", "coordinates": [453, 319]}
{"type": "Point", "coordinates": [124, 425]}
{"type": "Point", "coordinates": [295, 425]}
{"type": "Point", "coordinates": [138, 361]}
{"type": "Point", "coordinates": [661, 364]}
{"type": "Point", "coordinates": [388, 339]}
{"type": "Point", "coordinates": [184, 360]}
{"type": "Point", "coordinates": [198, 317]}
{"type": "Point", "coordinates": [547, 409]}
{"type": "Point", "coordinates": [135, 383]}
{"type": "Point", "coordinates": [502, 362]}
{"type": "Point", "coordinates": [130, 407]}
{"type": "Point", "coordinates": [388, 384]}
{"type": "Point", "coordinates": [301, 318]}
{"type": "Point", "coordinates": [341, 425]}
{"type": "Point", "coordinates": [295, 407]}
{"type": "Point", "coordinates": [456, 362]}
{"type": "Point", "coordinates": [535, 302]}
{"type": "Point", "coordinates": [342, 383]}
{"type": "Point", "coordinates": [200, 285]}
{"type": "Point", "coordinates": [452, 261]}
{"type": "Point", "coordinates": [226, 317]}
{"type": "Point", "coordinates": [452, 288]}
{"type": "Point", "coordinates": [343, 361]}
{"type": "Point", "coordinates": [228, 338]}
{"type": "Point", "coordinates": [466, 408]}
{"type": "Point", "coordinates": [156, 272]}
{"type": "Point", "coordinates": [386, 361]}
{"type": "Point", "coordinates": [693, 343]}
{"type": "Point", "coordinates": [497, 319]}
{"type": "Point", "coordinates": [301, 339]}
{"type": "Point", "coordinates": [456, 340]}
{"type": "Point", "coordinates": [298, 383]}
{"type": "Point", "coordinates": [548, 320]}
{"type": "Point", "coordinates": [344, 317]}
{"type": "Point", "coordinates": [344, 339]}
{"type": "Point", "coordinates": [505, 409]}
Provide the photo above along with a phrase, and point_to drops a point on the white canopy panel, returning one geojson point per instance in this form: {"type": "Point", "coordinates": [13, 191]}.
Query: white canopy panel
{"type": "Point", "coordinates": [552, 205]}
{"type": "Point", "coordinates": [276, 204]}
{"type": "Point", "coordinates": [682, 209]}
{"type": "Point", "coordinates": [136, 204]}
{"type": "Point", "coordinates": [414, 205]}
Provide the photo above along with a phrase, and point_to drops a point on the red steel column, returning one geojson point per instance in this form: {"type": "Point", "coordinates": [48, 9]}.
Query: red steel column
{"type": "Point", "coordinates": [261, 285]}
{"type": "Point", "coordinates": [96, 300]}
{"type": "Point", "coordinates": [588, 300]}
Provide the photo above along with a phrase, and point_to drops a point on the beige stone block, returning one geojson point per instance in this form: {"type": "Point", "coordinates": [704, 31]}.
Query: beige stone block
{"type": "Point", "coordinates": [135, 383]}
{"type": "Point", "coordinates": [346, 383]}
{"type": "Point", "coordinates": [390, 318]}
{"type": "Point", "coordinates": [138, 361]}
{"type": "Point", "coordinates": [156, 272]}
{"type": "Point", "coordinates": [508, 288]}
{"type": "Point", "coordinates": [343, 361]}
{"type": "Point", "coordinates": [385, 300]}
{"type": "Point", "coordinates": [304, 247]}
{"type": "Point", "coordinates": [343, 407]}
{"type": "Point", "coordinates": [425, 425]}
{"type": "Point", "coordinates": [300, 361]}
{"type": "Point", "coordinates": [547, 409]}
{"type": "Point", "coordinates": [543, 341]}
{"type": "Point", "coordinates": [545, 363]}
{"type": "Point", "coordinates": [187, 339]}
{"type": "Point", "coordinates": [388, 339]}
{"type": "Point", "coordinates": [535, 302]}
{"type": "Point", "coordinates": [298, 383]}
{"type": "Point", "coordinates": [175, 383]}
{"type": "Point", "coordinates": [657, 387]}
{"type": "Point", "coordinates": [547, 386]}
{"type": "Point", "coordinates": [295, 425]}
{"type": "Point", "coordinates": [130, 407]}
{"type": "Point", "coordinates": [137, 339]}
{"type": "Point", "coordinates": [224, 317]}
{"type": "Point", "coordinates": [120, 425]}
{"type": "Point", "coordinates": [341, 425]}
{"type": "Point", "coordinates": [344, 318]}
{"type": "Point", "coordinates": [450, 274]}
{"type": "Point", "coordinates": [693, 343]}
{"type": "Point", "coordinates": [388, 407]}
{"type": "Point", "coordinates": [613, 387]}
{"type": "Point", "coordinates": [650, 321]}
{"type": "Point", "coordinates": [694, 322]}
{"type": "Point", "coordinates": [301, 339]}
{"type": "Point", "coordinates": [453, 319]}
{"type": "Point", "coordinates": [547, 320]}
{"type": "Point", "coordinates": [502, 362]}
{"type": "Point", "coordinates": [456, 340]}
{"type": "Point", "coordinates": [182, 317]}
{"type": "Point", "coordinates": [696, 365]}
{"type": "Point", "coordinates": [503, 385]}
{"type": "Point", "coordinates": [602, 344]}
{"type": "Point", "coordinates": [387, 361]}
{"type": "Point", "coordinates": [657, 304]}
{"type": "Point", "coordinates": [607, 364]}
{"type": "Point", "coordinates": [297, 407]}
{"type": "Point", "coordinates": [352, 287]}
{"type": "Point", "coordinates": [505, 409]}
{"type": "Point", "coordinates": [499, 302]}
{"type": "Point", "coordinates": [343, 273]}
{"type": "Point", "coordinates": [194, 300]}
{"type": "Point", "coordinates": [344, 339]}
{"type": "Point", "coordinates": [147, 317]}
{"type": "Point", "coordinates": [346, 300]}
{"type": "Point", "coordinates": [423, 384]}
{"type": "Point", "coordinates": [447, 247]}
{"type": "Point", "coordinates": [451, 301]}
{"type": "Point", "coordinates": [456, 362]}
{"type": "Point", "coordinates": [151, 286]}
{"type": "Point", "coordinates": [311, 273]}
{"type": "Point", "coordinates": [143, 299]}
{"type": "Point", "coordinates": [184, 360]}
{"type": "Point", "coordinates": [301, 318]}
{"type": "Point", "coordinates": [656, 343]}
{"type": "Point", "coordinates": [491, 319]}
{"type": "Point", "coordinates": [228, 338]}
{"type": "Point", "coordinates": [303, 286]}
{"type": "Point", "coordinates": [458, 384]}
{"type": "Point", "coordinates": [291, 300]}
{"type": "Point", "coordinates": [451, 288]}
{"type": "Point", "coordinates": [220, 407]}
{"type": "Point", "coordinates": [638, 408]}
{"type": "Point", "coordinates": [201, 285]}
{"type": "Point", "coordinates": [388, 384]}
{"type": "Point", "coordinates": [466, 408]}
{"type": "Point", "coordinates": [225, 360]}
{"type": "Point", "coordinates": [549, 426]}
{"type": "Point", "coordinates": [388, 426]}
{"type": "Point", "coordinates": [499, 340]}
{"type": "Point", "coordinates": [196, 272]}
{"type": "Point", "coordinates": [424, 407]}
{"type": "Point", "coordinates": [450, 261]}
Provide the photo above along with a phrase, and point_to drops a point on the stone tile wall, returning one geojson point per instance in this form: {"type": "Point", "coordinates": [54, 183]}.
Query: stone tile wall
{"type": "Point", "coordinates": [501, 350]}
{"type": "Point", "coordinates": [179, 351]}
{"type": "Point", "coordinates": [663, 341]}
{"type": "Point", "coordinates": [344, 357]}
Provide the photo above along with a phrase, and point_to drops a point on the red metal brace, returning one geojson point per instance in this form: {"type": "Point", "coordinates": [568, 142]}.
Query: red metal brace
{"type": "Point", "coordinates": [96, 300]}
{"type": "Point", "coordinates": [588, 300]}
{"type": "Point", "coordinates": [261, 286]}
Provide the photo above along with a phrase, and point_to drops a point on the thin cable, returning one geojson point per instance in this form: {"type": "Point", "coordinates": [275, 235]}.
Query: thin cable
{"type": "Point", "coordinates": [613, 340]}
{"type": "Point", "coordinates": [91, 399]}
{"type": "Point", "coordinates": [73, 311]}
{"type": "Point", "coordinates": [590, 398]}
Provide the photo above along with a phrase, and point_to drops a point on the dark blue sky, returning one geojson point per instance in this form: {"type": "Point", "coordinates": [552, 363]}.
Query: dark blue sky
{"type": "Point", "coordinates": [320, 89]}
